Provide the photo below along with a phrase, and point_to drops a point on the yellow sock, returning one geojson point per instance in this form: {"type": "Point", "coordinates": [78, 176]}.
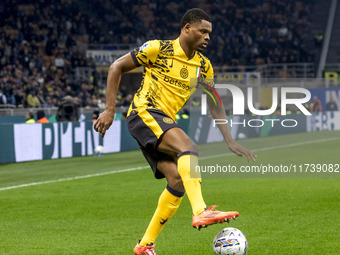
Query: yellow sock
{"type": "Point", "coordinates": [186, 161]}
{"type": "Point", "coordinates": [168, 204]}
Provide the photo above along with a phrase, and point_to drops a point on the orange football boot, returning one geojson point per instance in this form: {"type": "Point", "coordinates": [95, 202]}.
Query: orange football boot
{"type": "Point", "coordinates": [144, 250]}
{"type": "Point", "coordinates": [211, 216]}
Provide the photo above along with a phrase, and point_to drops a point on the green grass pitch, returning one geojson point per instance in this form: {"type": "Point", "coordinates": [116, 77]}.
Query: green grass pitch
{"type": "Point", "coordinates": [84, 206]}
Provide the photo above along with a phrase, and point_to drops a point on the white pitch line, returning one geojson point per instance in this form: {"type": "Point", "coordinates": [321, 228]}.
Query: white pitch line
{"type": "Point", "coordinates": [274, 147]}
{"type": "Point", "coordinates": [74, 178]}
{"type": "Point", "coordinates": [144, 167]}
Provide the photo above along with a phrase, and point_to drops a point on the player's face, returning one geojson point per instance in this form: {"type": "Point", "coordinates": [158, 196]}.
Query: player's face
{"type": "Point", "coordinates": [199, 35]}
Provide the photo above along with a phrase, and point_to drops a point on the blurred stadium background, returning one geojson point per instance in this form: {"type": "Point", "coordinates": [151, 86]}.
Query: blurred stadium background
{"type": "Point", "coordinates": [54, 57]}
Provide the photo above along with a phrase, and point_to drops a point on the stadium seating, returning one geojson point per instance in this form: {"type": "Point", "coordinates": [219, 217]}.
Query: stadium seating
{"type": "Point", "coordinates": [41, 43]}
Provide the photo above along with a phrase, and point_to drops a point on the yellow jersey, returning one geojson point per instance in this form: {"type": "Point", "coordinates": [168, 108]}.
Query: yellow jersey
{"type": "Point", "coordinates": [169, 77]}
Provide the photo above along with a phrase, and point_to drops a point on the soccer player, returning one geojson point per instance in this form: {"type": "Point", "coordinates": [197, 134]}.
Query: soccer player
{"type": "Point", "coordinates": [168, 68]}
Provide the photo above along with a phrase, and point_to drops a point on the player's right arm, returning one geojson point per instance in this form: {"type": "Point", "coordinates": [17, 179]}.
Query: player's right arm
{"type": "Point", "coordinates": [143, 56]}
{"type": "Point", "coordinates": [120, 66]}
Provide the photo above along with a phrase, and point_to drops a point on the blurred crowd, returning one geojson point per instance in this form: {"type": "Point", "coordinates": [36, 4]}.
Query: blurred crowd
{"type": "Point", "coordinates": [245, 32]}
{"type": "Point", "coordinates": [42, 42]}
{"type": "Point", "coordinates": [261, 32]}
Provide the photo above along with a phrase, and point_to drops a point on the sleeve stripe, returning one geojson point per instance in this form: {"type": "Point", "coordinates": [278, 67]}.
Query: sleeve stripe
{"type": "Point", "coordinates": [132, 53]}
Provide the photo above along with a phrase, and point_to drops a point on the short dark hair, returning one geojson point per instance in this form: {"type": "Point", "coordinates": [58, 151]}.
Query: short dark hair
{"type": "Point", "coordinates": [96, 112]}
{"type": "Point", "coordinates": [30, 114]}
{"type": "Point", "coordinates": [194, 15]}
{"type": "Point", "coordinates": [40, 114]}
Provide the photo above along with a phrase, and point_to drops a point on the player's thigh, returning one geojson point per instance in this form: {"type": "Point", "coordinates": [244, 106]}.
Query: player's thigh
{"type": "Point", "coordinates": [175, 141]}
{"type": "Point", "coordinates": [169, 169]}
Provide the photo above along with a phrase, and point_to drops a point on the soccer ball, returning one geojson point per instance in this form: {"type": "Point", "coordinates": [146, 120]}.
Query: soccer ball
{"type": "Point", "coordinates": [230, 241]}
{"type": "Point", "coordinates": [99, 150]}
{"type": "Point", "coordinates": [241, 136]}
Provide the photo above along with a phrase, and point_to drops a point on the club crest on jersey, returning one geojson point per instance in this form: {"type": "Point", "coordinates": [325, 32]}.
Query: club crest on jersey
{"type": "Point", "coordinates": [144, 46]}
{"type": "Point", "coordinates": [184, 73]}
{"type": "Point", "coordinates": [168, 120]}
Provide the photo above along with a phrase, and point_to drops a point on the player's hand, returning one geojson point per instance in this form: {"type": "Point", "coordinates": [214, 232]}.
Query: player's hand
{"type": "Point", "coordinates": [240, 151]}
{"type": "Point", "coordinates": [104, 122]}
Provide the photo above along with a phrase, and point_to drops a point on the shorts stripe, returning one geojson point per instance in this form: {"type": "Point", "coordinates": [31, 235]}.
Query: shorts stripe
{"type": "Point", "coordinates": [151, 123]}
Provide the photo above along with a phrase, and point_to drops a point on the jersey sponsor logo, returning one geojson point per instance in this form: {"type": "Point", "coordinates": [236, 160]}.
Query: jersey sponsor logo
{"type": "Point", "coordinates": [168, 120]}
{"type": "Point", "coordinates": [147, 44]}
{"type": "Point", "coordinates": [175, 82]}
{"type": "Point", "coordinates": [184, 73]}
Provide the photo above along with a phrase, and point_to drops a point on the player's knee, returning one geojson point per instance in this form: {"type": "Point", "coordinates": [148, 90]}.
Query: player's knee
{"type": "Point", "coordinates": [194, 147]}
{"type": "Point", "coordinates": [191, 146]}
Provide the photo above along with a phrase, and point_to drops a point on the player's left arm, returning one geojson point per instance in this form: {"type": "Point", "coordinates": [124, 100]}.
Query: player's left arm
{"type": "Point", "coordinates": [217, 111]}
